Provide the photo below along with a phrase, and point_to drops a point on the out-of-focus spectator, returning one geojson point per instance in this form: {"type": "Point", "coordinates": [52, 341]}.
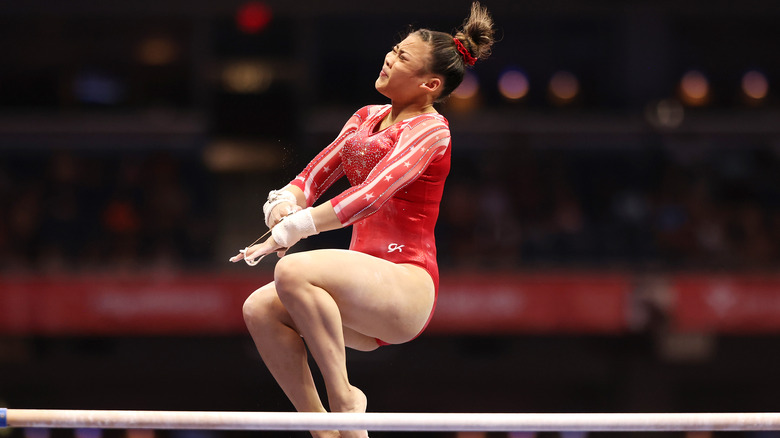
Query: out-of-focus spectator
{"type": "Point", "coordinates": [123, 211]}
{"type": "Point", "coordinates": [512, 208]}
{"type": "Point", "coordinates": [639, 208]}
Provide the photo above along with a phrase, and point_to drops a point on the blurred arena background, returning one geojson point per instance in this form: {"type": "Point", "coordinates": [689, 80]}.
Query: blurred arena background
{"type": "Point", "coordinates": [609, 238]}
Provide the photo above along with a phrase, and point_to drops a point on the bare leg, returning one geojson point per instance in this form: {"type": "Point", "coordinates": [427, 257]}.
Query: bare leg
{"type": "Point", "coordinates": [319, 321]}
{"type": "Point", "coordinates": [330, 294]}
{"type": "Point", "coordinates": [283, 351]}
{"type": "Point", "coordinates": [333, 298]}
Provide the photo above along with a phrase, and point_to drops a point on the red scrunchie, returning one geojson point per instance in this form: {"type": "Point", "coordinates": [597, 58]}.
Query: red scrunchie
{"type": "Point", "coordinates": [467, 58]}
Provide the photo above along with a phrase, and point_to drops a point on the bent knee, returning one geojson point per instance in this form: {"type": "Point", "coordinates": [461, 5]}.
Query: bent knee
{"type": "Point", "coordinates": [289, 272]}
{"type": "Point", "coordinates": [258, 305]}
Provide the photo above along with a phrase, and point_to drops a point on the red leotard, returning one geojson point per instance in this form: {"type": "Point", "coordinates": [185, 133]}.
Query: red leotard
{"type": "Point", "coordinates": [397, 179]}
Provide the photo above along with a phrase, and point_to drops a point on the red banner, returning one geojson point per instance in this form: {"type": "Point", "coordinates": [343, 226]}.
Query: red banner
{"type": "Point", "coordinates": [535, 303]}
{"type": "Point", "coordinates": [726, 303]}
{"type": "Point", "coordinates": [211, 304]}
{"type": "Point", "coordinates": [120, 306]}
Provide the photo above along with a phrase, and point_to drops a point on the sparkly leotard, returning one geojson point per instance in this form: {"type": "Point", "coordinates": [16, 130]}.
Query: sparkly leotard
{"type": "Point", "coordinates": [397, 179]}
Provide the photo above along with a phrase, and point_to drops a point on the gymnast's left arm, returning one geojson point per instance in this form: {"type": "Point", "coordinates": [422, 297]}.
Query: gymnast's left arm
{"type": "Point", "coordinates": [417, 146]}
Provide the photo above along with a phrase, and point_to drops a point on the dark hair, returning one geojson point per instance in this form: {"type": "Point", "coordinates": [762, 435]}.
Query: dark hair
{"type": "Point", "coordinates": [476, 35]}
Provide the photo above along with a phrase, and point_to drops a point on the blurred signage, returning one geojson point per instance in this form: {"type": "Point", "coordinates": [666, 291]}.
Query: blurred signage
{"type": "Point", "coordinates": [532, 303]}
{"type": "Point", "coordinates": [125, 306]}
{"type": "Point", "coordinates": [726, 303]}
{"type": "Point", "coordinates": [468, 303]}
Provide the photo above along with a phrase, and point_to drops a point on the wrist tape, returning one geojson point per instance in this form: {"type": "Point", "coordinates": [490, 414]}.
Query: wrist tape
{"type": "Point", "coordinates": [276, 197]}
{"type": "Point", "coordinates": [293, 228]}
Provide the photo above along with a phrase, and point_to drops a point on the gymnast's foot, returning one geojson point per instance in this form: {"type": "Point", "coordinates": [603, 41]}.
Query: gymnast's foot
{"type": "Point", "coordinates": [356, 402]}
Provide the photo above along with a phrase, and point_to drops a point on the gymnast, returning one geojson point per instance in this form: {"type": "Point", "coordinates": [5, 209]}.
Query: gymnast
{"type": "Point", "coordinates": [382, 290]}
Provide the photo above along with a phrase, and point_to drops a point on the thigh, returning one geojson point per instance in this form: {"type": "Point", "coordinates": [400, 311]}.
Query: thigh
{"type": "Point", "coordinates": [359, 341]}
{"type": "Point", "coordinates": [376, 298]}
{"type": "Point", "coordinates": [264, 305]}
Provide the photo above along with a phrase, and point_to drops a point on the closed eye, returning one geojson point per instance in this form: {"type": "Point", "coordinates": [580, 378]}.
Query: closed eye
{"type": "Point", "coordinates": [400, 54]}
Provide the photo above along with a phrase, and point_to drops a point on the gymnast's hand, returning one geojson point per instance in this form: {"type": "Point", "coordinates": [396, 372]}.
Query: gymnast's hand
{"type": "Point", "coordinates": [284, 235]}
{"type": "Point", "coordinates": [279, 211]}
{"type": "Point", "coordinates": [254, 253]}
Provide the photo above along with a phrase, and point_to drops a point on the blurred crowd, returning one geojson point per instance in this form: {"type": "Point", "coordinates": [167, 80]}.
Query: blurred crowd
{"type": "Point", "coordinates": [104, 212]}
{"type": "Point", "coordinates": [665, 206]}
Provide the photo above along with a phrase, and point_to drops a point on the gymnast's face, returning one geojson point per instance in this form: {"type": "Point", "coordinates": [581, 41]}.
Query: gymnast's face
{"type": "Point", "coordinates": [405, 69]}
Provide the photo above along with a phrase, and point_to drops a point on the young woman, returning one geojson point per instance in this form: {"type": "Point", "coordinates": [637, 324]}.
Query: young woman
{"type": "Point", "coordinates": [383, 289]}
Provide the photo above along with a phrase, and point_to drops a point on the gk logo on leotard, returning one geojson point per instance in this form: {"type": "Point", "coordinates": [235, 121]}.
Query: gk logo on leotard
{"type": "Point", "coordinates": [394, 247]}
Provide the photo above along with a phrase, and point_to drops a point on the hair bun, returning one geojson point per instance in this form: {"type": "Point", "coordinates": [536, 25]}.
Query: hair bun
{"type": "Point", "coordinates": [477, 32]}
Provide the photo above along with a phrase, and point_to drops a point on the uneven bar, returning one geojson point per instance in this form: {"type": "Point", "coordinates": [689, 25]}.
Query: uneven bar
{"type": "Point", "coordinates": [647, 422]}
